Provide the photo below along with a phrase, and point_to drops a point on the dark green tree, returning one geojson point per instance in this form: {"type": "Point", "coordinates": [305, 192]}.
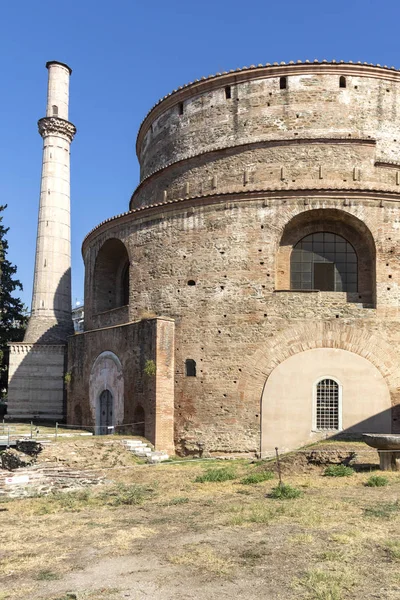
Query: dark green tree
{"type": "Point", "coordinates": [13, 314]}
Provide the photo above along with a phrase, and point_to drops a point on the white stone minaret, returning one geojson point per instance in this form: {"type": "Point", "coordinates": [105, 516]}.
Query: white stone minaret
{"type": "Point", "coordinates": [37, 365]}
{"type": "Point", "coordinates": [51, 320]}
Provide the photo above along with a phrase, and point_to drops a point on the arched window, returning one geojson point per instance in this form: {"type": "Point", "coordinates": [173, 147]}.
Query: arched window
{"type": "Point", "coordinates": [111, 276]}
{"type": "Point", "coordinates": [283, 83]}
{"type": "Point", "coordinates": [228, 94]}
{"type": "Point", "coordinates": [327, 405]}
{"type": "Point", "coordinates": [190, 367]}
{"type": "Point", "coordinates": [55, 110]}
{"type": "Point", "coordinates": [342, 81]}
{"type": "Point", "coordinates": [323, 261]}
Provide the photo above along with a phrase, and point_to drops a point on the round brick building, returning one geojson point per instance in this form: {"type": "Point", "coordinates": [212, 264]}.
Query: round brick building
{"type": "Point", "coordinates": [249, 298]}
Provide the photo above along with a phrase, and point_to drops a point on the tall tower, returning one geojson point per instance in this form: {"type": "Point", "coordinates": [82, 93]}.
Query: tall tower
{"type": "Point", "coordinates": [37, 365]}
{"type": "Point", "coordinates": [51, 320]}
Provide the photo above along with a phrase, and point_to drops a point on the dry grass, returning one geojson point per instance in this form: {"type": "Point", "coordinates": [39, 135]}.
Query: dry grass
{"type": "Point", "coordinates": [204, 559]}
{"type": "Point", "coordinates": [333, 543]}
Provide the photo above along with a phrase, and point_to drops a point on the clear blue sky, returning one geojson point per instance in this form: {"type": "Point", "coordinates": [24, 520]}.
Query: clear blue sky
{"type": "Point", "coordinates": [125, 55]}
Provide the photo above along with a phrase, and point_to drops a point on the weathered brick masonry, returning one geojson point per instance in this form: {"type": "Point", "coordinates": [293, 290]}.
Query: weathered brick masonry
{"type": "Point", "coordinates": [235, 170]}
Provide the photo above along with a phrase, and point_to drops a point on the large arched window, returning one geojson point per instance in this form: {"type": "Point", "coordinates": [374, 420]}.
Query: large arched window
{"type": "Point", "coordinates": [323, 261]}
{"type": "Point", "coordinates": [111, 276]}
{"type": "Point", "coordinates": [327, 405]}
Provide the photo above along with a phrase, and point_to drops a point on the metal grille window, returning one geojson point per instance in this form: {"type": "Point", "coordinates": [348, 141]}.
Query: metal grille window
{"type": "Point", "coordinates": [327, 405]}
{"type": "Point", "coordinates": [323, 261]}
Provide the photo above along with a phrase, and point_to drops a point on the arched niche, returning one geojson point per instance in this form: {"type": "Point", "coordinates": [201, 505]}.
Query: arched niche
{"type": "Point", "coordinates": [111, 276]}
{"type": "Point", "coordinates": [288, 403]}
{"type": "Point", "coordinates": [106, 374]}
{"type": "Point", "coordinates": [337, 222]}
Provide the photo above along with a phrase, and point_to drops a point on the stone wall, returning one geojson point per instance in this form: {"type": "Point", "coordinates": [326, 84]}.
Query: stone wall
{"type": "Point", "coordinates": [36, 381]}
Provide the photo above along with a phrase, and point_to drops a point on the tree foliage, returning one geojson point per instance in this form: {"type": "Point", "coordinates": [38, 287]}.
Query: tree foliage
{"type": "Point", "coordinates": [13, 317]}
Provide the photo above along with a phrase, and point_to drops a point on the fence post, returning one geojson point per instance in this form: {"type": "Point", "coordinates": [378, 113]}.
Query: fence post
{"type": "Point", "coordinates": [8, 438]}
{"type": "Point", "coordinates": [56, 429]}
{"type": "Point", "coordinates": [4, 427]}
{"type": "Point", "coordinates": [31, 429]}
{"type": "Point", "coordinates": [278, 462]}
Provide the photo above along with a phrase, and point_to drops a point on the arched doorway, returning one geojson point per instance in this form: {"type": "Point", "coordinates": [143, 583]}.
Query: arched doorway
{"type": "Point", "coordinates": [106, 391]}
{"type": "Point", "coordinates": [319, 393]}
{"type": "Point", "coordinates": [105, 413]}
{"type": "Point", "coordinates": [139, 420]}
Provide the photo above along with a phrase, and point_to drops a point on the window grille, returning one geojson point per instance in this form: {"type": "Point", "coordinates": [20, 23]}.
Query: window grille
{"type": "Point", "coordinates": [327, 405]}
{"type": "Point", "coordinates": [323, 261]}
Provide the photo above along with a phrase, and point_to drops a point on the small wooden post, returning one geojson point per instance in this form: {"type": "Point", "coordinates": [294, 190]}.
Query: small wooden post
{"type": "Point", "coordinates": [31, 430]}
{"type": "Point", "coordinates": [56, 429]}
{"type": "Point", "coordinates": [278, 462]}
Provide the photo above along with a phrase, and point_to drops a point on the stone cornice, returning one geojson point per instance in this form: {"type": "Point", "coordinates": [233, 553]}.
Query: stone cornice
{"type": "Point", "coordinates": [56, 126]}
{"type": "Point", "coordinates": [219, 80]}
{"type": "Point", "coordinates": [22, 348]}
{"type": "Point", "coordinates": [312, 191]}
{"type": "Point", "coordinates": [264, 143]}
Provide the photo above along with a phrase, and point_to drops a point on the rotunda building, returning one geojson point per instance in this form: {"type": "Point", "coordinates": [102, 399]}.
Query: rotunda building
{"type": "Point", "coordinates": [249, 298]}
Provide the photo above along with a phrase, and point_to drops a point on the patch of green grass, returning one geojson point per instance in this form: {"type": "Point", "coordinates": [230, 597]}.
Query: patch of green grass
{"type": "Point", "coordinates": [385, 510]}
{"type": "Point", "coordinates": [377, 481]}
{"type": "Point", "coordinates": [46, 575]}
{"type": "Point", "coordinates": [178, 500]}
{"type": "Point", "coordinates": [285, 492]}
{"type": "Point", "coordinates": [123, 494]}
{"type": "Point", "coordinates": [322, 585]}
{"type": "Point", "coordinates": [257, 477]}
{"type": "Point", "coordinates": [393, 549]}
{"type": "Point", "coordinates": [216, 475]}
{"type": "Point", "coordinates": [338, 471]}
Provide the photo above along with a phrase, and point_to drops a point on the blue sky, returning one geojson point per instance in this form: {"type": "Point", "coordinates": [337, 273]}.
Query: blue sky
{"type": "Point", "coordinates": [125, 55]}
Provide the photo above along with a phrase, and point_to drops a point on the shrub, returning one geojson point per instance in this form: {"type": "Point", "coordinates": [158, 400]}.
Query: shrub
{"type": "Point", "coordinates": [285, 491]}
{"type": "Point", "coordinates": [338, 471]}
{"type": "Point", "coordinates": [257, 477]}
{"type": "Point", "coordinates": [216, 475]}
{"type": "Point", "coordinates": [377, 481]}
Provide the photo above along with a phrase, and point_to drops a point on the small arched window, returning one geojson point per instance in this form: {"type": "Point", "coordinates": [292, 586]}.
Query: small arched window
{"type": "Point", "coordinates": [228, 94]}
{"type": "Point", "coordinates": [180, 108]}
{"type": "Point", "coordinates": [283, 83]}
{"type": "Point", "coordinates": [190, 367]}
{"type": "Point", "coordinates": [323, 261]}
{"type": "Point", "coordinates": [327, 405]}
{"type": "Point", "coordinates": [342, 81]}
{"type": "Point", "coordinates": [55, 110]}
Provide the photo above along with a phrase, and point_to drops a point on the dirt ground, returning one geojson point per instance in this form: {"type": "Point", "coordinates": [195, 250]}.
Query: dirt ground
{"type": "Point", "coordinates": [153, 532]}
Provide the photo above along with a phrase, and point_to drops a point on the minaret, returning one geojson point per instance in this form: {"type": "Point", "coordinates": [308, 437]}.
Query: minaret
{"type": "Point", "coordinates": [37, 365]}
{"type": "Point", "coordinates": [50, 320]}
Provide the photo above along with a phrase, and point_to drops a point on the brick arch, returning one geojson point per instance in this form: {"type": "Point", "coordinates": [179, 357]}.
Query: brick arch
{"type": "Point", "coordinates": [111, 276]}
{"type": "Point", "coordinates": [319, 334]}
{"type": "Point", "coordinates": [336, 221]}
